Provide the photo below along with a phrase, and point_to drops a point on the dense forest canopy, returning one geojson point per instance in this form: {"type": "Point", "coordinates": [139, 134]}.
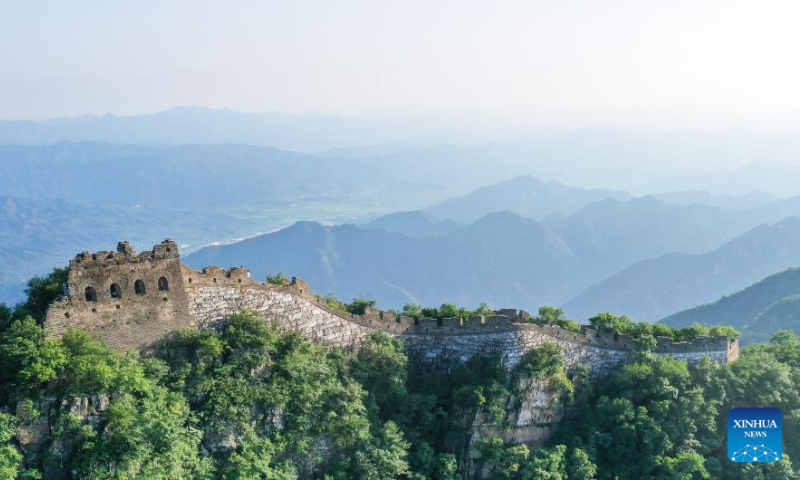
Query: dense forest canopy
{"type": "Point", "coordinates": [247, 402]}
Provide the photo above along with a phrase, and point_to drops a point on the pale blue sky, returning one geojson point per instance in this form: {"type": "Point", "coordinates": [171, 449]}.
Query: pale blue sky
{"type": "Point", "coordinates": [705, 63]}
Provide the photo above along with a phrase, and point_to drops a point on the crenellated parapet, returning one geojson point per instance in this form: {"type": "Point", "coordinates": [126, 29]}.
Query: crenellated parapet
{"type": "Point", "coordinates": [132, 301]}
{"type": "Point", "coordinates": [108, 276]}
{"type": "Point", "coordinates": [128, 299]}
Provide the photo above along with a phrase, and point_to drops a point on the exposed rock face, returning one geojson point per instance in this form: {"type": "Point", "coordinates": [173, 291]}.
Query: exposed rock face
{"type": "Point", "coordinates": [39, 419]}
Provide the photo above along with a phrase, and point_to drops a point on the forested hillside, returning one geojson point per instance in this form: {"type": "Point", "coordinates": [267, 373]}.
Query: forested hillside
{"type": "Point", "coordinates": [249, 403]}
{"type": "Point", "coordinates": [758, 311]}
{"type": "Point", "coordinates": [655, 288]}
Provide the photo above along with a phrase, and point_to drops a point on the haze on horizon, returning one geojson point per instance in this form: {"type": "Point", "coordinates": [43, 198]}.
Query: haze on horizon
{"type": "Point", "coordinates": [677, 65]}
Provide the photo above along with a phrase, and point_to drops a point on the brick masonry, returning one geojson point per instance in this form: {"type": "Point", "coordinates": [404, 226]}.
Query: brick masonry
{"type": "Point", "coordinates": [132, 301]}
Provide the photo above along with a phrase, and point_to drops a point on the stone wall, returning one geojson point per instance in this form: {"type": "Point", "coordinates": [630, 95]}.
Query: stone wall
{"type": "Point", "coordinates": [215, 294]}
{"type": "Point", "coordinates": [128, 319]}
{"type": "Point", "coordinates": [139, 319]}
{"type": "Point", "coordinates": [446, 351]}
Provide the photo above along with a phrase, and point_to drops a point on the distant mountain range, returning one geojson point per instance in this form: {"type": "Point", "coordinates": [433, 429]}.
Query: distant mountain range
{"type": "Point", "coordinates": [368, 135]}
{"type": "Point", "coordinates": [472, 224]}
{"type": "Point", "coordinates": [197, 125]}
{"type": "Point", "coordinates": [525, 195]}
{"type": "Point", "coordinates": [758, 311]}
{"type": "Point", "coordinates": [416, 223]}
{"type": "Point", "coordinates": [610, 234]}
{"type": "Point", "coordinates": [36, 235]}
{"type": "Point", "coordinates": [751, 199]}
{"type": "Point", "coordinates": [654, 288]}
{"type": "Point", "coordinates": [730, 162]}
{"type": "Point", "coordinates": [510, 260]}
{"type": "Point", "coordinates": [521, 242]}
{"type": "Point", "coordinates": [502, 259]}
{"type": "Point", "coordinates": [187, 176]}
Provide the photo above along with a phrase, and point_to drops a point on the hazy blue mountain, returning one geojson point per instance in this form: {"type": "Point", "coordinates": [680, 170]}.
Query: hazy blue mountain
{"type": "Point", "coordinates": [415, 223]}
{"type": "Point", "coordinates": [36, 235]}
{"type": "Point", "coordinates": [303, 132]}
{"type": "Point", "coordinates": [459, 147]}
{"type": "Point", "coordinates": [688, 197]}
{"type": "Point", "coordinates": [652, 289]}
{"type": "Point", "coordinates": [525, 195]}
{"type": "Point", "coordinates": [187, 175]}
{"type": "Point", "coordinates": [197, 125]}
{"type": "Point", "coordinates": [503, 259]}
{"type": "Point", "coordinates": [213, 175]}
{"type": "Point", "coordinates": [774, 177]}
{"type": "Point", "coordinates": [610, 235]}
{"type": "Point", "coordinates": [758, 311]}
{"type": "Point", "coordinates": [414, 259]}
{"type": "Point", "coordinates": [647, 162]}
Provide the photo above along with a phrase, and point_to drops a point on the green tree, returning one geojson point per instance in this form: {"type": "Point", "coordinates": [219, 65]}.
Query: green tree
{"type": "Point", "coordinates": [148, 437]}
{"type": "Point", "coordinates": [550, 315]}
{"type": "Point", "coordinates": [579, 466]}
{"type": "Point", "coordinates": [483, 309]}
{"type": "Point", "coordinates": [643, 346]}
{"type": "Point", "coordinates": [542, 361]}
{"type": "Point", "coordinates": [547, 464]}
{"type": "Point", "coordinates": [359, 306]}
{"type": "Point", "coordinates": [448, 310]}
{"type": "Point", "coordinates": [40, 292]}
{"type": "Point", "coordinates": [258, 459]}
{"type": "Point", "coordinates": [507, 461]}
{"type": "Point", "coordinates": [381, 367]}
{"type": "Point", "coordinates": [610, 323]}
{"type": "Point", "coordinates": [412, 310]}
{"type": "Point", "coordinates": [6, 315]}
{"type": "Point", "coordinates": [724, 331]}
{"type": "Point", "coordinates": [555, 316]}
{"type": "Point", "coordinates": [692, 332]}
{"type": "Point", "coordinates": [446, 467]}
{"type": "Point", "coordinates": [661, 330]}
{"type": "Point", "coordinates": [10, 458]}
{"type": "Point", "coordinates": [27, 358]}
{"type": "Point", "coordinates": [382, 458]}
{"type": "Point", "coordinates": [278, 279]}
{"type": "Point", "coordinates": [684, 466]}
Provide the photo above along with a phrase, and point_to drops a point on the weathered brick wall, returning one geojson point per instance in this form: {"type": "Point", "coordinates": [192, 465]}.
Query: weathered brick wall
{"type": "Point", "coordinates": [133, 320]}
{"type": "Point", "coordinates": [203, 299]}
{"type": "Point", "coordinates": [282, 307]}
{"type": "Point", "coordinates": [448, 350]}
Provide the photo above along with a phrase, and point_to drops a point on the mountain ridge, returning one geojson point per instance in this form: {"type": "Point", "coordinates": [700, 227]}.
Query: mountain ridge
{"type": "Point", "coordinates": [654, 288]}
{"type": "Point", "coordinates": [755, 310]}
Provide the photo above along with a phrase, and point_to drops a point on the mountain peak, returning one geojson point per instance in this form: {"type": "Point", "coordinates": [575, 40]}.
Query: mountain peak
{"type": "Point", "coordinates": [526, 195]}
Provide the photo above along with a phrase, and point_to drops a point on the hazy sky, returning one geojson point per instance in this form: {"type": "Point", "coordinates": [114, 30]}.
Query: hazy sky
{"type": "Point", "coordinates": [699, 62]}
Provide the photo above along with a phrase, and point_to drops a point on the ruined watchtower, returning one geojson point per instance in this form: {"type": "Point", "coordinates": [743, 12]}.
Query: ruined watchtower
{"type": "Point", "coordinates": [128, 299]}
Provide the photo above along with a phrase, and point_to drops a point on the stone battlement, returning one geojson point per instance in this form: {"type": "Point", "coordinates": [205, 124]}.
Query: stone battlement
{"type": "Point", "coordinates": [133, 301]}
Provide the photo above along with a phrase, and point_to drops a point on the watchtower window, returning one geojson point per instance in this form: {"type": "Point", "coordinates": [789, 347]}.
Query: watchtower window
{"type": "Point", "coordinates": [138, 287]}
{"type": "Point", "coordinates": [115, 290]}
{"type": "Point", "coordinates": [163, 284]}
{"type": "Point", "coordinates": [91, 294]}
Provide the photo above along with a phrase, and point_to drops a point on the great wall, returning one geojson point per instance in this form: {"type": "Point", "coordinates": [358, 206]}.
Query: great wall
{"type": "Point", "coordinates": [134, 301]}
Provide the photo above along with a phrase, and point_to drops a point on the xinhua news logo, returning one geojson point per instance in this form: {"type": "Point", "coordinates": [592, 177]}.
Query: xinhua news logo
{"type": "Point", "coordinates": [755, 434]}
